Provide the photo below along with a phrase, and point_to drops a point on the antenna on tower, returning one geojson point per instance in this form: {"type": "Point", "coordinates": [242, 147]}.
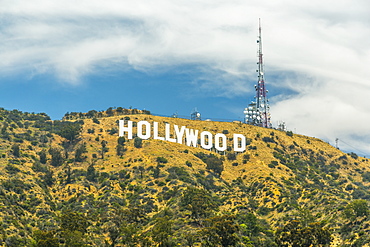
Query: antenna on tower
{"type": "Point", "coordinates": [258, 112]}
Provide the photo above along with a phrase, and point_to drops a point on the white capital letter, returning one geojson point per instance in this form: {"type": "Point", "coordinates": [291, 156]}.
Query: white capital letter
{"type": "Point", "coordinates": [219, 137]}
{"type": "Point", "coordinates": [242, 139]}
{"type": "Point", "coordinates": [156, 132]}
{"type": "Point", "coordinates": [203, 140]}
{"type": "Point", "coordinates": [127, 129]}
{"type": "Point", "coordinates": [168, 134]}
{"type": "Point", "coordinates": [191, 137]}
{"type": "Point", "coordinates": [140, 133]}
{"type": "Point", "coordinates": [179, 133]}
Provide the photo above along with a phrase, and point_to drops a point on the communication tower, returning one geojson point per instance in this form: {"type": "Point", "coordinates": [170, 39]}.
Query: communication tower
{"type": "Point", "coordinates": [258, 112]}
{"type": "Point", "coordinates": [195, 115]}
{"type": "Point", "coordinates": [282, 126]}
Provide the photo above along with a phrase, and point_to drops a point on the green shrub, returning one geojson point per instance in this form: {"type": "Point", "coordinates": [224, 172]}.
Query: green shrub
{"type": "Point", "coordinates": [366, 176]}
{"type": "Point", "coordinates": [161, 160]}
{"type": "Point", "coordinates": [268, 139]}
{"type": "Point", "coordinates": [353, 155]}
{"type": "Point", "coordinates": [213, 162]}
{"type": "Point", "coordinates": [231, 156]}
{"type": "Point", "coordinates": [289, 133]}
{"type": "Point", "coordinates": [189, 164]}
{"type": "Point", "coordinates": [273, 164]}
{"type": "Point", "coordinates": [11, 169]}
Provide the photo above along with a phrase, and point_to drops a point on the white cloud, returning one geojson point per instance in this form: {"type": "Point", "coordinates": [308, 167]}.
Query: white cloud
{"type": "Point", "coordinates": [149, 34]}
{"type": "Point", "coordinates": [318, 49]}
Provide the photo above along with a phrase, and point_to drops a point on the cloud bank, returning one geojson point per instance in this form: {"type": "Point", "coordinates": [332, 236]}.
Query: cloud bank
{"type": "Point", "coordinates": [318, 51]}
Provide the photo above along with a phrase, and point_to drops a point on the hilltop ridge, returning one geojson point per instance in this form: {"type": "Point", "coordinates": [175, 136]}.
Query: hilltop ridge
{"type": "Point", "coordinates": [75, 182]}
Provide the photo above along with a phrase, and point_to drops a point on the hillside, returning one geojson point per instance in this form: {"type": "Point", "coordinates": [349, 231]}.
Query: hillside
{"type": "Point", "coordinates": [74, 182]}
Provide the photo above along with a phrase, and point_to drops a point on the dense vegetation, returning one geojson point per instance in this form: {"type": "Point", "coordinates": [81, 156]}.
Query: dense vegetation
{"type": "Point", "coordinates": [76, 183]}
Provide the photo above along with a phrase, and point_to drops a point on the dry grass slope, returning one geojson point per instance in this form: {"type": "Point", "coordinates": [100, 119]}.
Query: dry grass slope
{"type": "Point", "coordinates": [278, 178]}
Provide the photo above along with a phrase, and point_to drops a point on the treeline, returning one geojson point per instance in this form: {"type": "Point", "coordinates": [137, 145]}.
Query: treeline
{"type": "Point", "coordinates": [111, 111]}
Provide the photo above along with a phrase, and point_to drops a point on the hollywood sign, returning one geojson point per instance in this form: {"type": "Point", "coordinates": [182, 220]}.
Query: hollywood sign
{"type": "Point", "coordinates": [173, 133]}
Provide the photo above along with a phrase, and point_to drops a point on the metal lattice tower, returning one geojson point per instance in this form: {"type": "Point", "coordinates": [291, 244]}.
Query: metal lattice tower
{"type": "Point", "coordinates": [257, 113]}
{"type": "Point", "coordinates": [195, 115]}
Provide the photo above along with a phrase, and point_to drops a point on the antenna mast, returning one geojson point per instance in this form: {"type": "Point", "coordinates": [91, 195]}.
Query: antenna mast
{"type": "Point", "coordinates": [257, 113]}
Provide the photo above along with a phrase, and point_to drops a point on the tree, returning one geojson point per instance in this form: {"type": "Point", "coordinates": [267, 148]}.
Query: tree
{"type": "Point", "coordinates": [73, 227]}
{"type": "Point", "coordinates": [15, 241]}
{"type": "Point", "coordinates": [356, 208]}
{"type": "Point", "coordinates": [129, 235]}
{"type": "Point", "coordinates": [220, 230]}
{"type": "Point", "coordinates": [156, 171]}
{"type": "Point", "coordinates": [119, 109]}
{"type": "Point", "coordinates": [134, 215]}
{"type": "Point", "coordinates": [109, 112]}
{"type": "Point", "coordinates": [74, 239]}
{"type": "Point", "coordinates": [213, 162]}
{"type": "Point", "coordinates": [42, 156]}
{"type": "Point", "coordinates": [123, 225]}
{"type": "Point", "coordinates": [191, 238]}
{"type": "Point", "coordinates": [250, 224]}
{"type": "Point", "coordinates": [43, 139]}
{"type": "Point", "coordinates": [125, 233]}
{"type": "Point", "coordinates": [79, 152]}
{"type": "Point", "coordinates": [48, 179]}
{"type": "Point", "coordinates": [70, 131]}
{"type": "Point", "coordinates": [91, 113]}
{"type": "Point", "coordinates": [121, 140]}
{"type": "Point", "coordinates": [113, 233]}
{"type": "Point", "coordinates": [199, 201]}
{"type": "Point", "coordinates": [91, 173]}
{"type": "Point", "coordinates": [138, 142]}
{"type": "Point", "coordinates": [294, 234]}
{"type": "Point", "coordinates": [104, 148]}
{"type": "Point", "coordinates": [161, 232]}
{"type": "Point", "coordinates": [57, 158]}
{"type": "Point", "coordinates": [45, 238]}
{"type": "Point", "coordinates": [120, 149]}
{"type": "Point", "coordinates": [68, 174]}
{"type": "Point", "coordinates": [254, 231]}
{"type": "Point", "coordinates": [15, 150]}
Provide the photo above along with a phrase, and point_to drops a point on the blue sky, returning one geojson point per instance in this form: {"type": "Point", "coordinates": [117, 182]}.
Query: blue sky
{"type": "Point", "coordinates": [164, 93]}
{"type": "Point", "coordinates": [171, 56]}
